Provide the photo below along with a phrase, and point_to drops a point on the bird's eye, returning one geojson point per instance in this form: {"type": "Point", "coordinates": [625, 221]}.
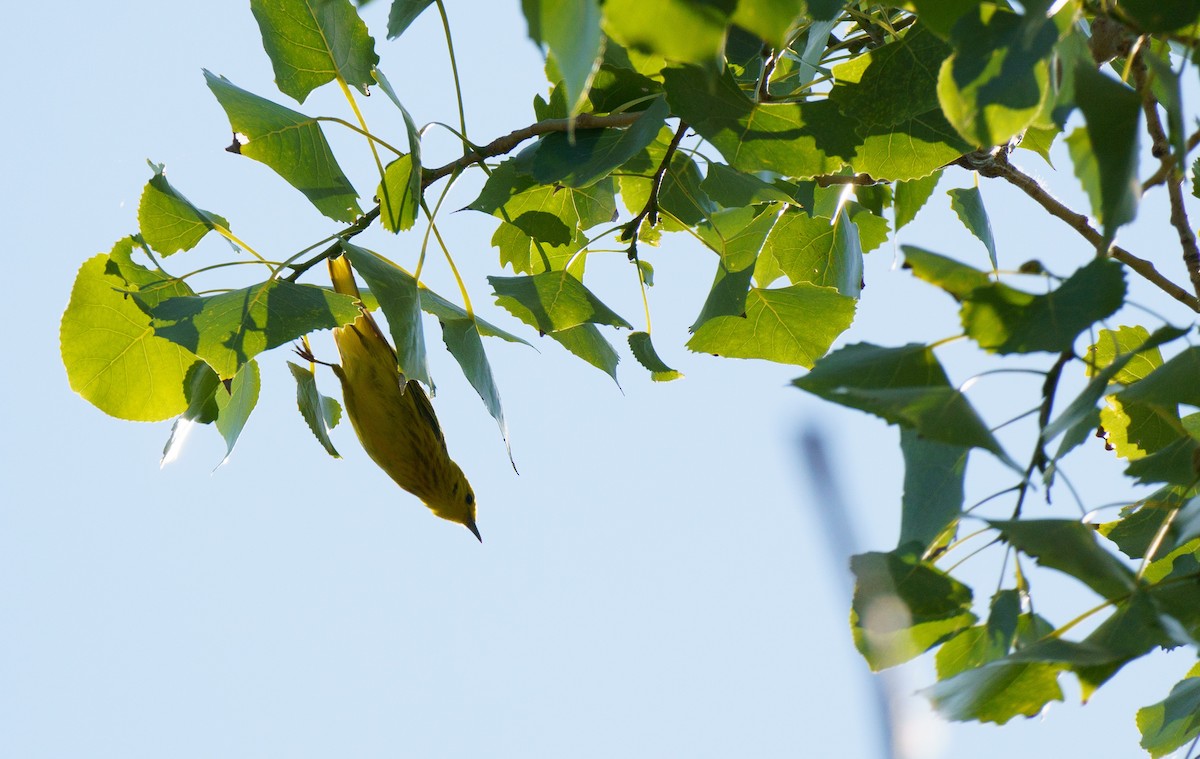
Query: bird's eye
{"type": "Point", "coordinates": [470, 499]}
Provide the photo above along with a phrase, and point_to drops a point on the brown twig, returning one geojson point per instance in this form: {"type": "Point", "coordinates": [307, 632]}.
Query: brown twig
{"type": "Point", "coordinates": [497, 147]}
{"type": "Point", "coordinates": [649, 211]}
{"type": "Point", "coordinates": [1164, 171]}
{"type": "Point", "coordinates": [1160, 147]}
{"type": "Point", "coordinates": [997, 165]}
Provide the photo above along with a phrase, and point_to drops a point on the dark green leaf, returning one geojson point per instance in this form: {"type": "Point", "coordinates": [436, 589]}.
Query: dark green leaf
{"type": "Point", "coordinates": [545, 213]}
{"type": "Point", "coordinates": [1174, 721]}
{"type": "Point", "coordinates": [904, 607]}
{"type": "Point", "coordinates": [586, 342]}
{"type": "Point", "coordinates": [168, 221]}
{"type": "Point", "coordinates": [968, 204]}
{"type": "Point", "coordinates": [229, 329]}
{"type": "Point", "coordinates": [997, 692]}
{"type": "Point", "coordinates": [941, 15]}
{"type": "Point", "coordinates": [1177, 463]}
{"type": "Point", "coordinates": [789, 325]}
{"type": "Point", "coordinates": [412, 192]}
{"type": "Point", "coordinates": [643, 351]}
{"type": "Point", "coordinates": [905, 386]}
{"type": "Point", "coordinates": [591, 154]}
{"type": "Point", "coordinates": [995, 82]}
{"type": "Point", "coordinates": [1070, 547]}
{"type": "Point", "coordinates": [571, 30]}
{"type": "Point", "coordinates": [321, 413]}
{"type": "Point", "coordinates": [912, 195]}
{"type": "Point", "coordinates": [1170, 384]}
{"type": "Point", "coordinates": [727, 297]}
{"type": "Point", "coordinates": [402, 14]}
{"type": "Point", "coordinates": [957, 279]}
{"type": "Point", "coordinates": [1084, 405]}
{"type": "Point", "coordinates": [112, 356]}
{"type": "Point", "coordinates": [732, 188]}
{"type": "Point", "coordinates": [981, 644]}
{"type": "Point", "coordinates": [1160, 15]}
{"type": "Point", "coordinates": [292, 144]}
{"type": "Point", "coordinates": [1112, 111]}
{"type": "Point", "coordinates": [235, 404]}
{"type": "Point", "coordinates": [553, 301]}
{"type": "Point", "coordinates": [1004, 320]}
{"type": "Point", "coordinates": [462, 340]}
{"type": "Point", "coordinates": [311, 42]}
{"type": "Point", "coordinates": [400, 299]}
{"type": "Point", "coordinates": [933, 487]}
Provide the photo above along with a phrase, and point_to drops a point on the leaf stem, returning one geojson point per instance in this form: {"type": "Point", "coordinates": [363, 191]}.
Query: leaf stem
{"type": "Point", "coordinates": [462, 114]}
{"type": "Point", "coordinates": [360, 130]}
{"type": "Point", "coordinates": [383, 188]}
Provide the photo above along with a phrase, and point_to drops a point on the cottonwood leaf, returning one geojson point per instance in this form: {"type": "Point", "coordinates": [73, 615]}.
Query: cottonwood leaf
{"type": "Point", "coordinates": [643, 351]}
{"type": "Point", "coordinates": [168, 221]}
{"type": "Point", "coordinates": [312, 42]}
{"type": "Point", "coordinates": [320, 412]}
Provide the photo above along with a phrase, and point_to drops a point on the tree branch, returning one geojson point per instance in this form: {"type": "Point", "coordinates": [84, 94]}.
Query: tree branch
{"type": "Point", "coordinates": [650, 210]}
{"type": "Point", "coordinates": [997, 165]}
{"type": "Point", "coordinates": [498, 146]}
{"type": "Point", "coordinates": [1160, 147]}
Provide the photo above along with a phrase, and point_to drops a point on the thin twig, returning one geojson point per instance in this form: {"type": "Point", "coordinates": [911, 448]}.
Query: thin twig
{"type": "Point", "coordinates": [997, 165]}
{"type": "Point", "coordinates": [1160, 147]}
{"type": "Point", "coordinates": [650, 210]}
{"type": "Point", "coordinates": [1168, 167]}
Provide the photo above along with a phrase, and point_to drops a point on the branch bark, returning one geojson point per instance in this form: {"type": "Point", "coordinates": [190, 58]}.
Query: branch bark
{"type": "Point", "coordinates": [998, 165]}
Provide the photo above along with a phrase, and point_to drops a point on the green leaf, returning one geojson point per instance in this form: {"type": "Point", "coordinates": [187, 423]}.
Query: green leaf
{"type": "Point", "coordinates": [1004, 320]}
{"type": "Point", "coordinates": [462, 340]}
{"type": "Point", "coordinates": [773, 20]}
{"type": "Point", "coordinates": [112, 356]}
{"type": "Point", "coordinates": [571, 30]}
{"type": "Point", "coordinates": [546, 213]}
{"type": "Point", "coordinates": [911, 197]}
{"type": "Point", "coordinates": [905, 386]}
{"type": "Point", "coordinates": [168, 221]}
{"type": "Point", "coordinates": [402, 14]}
{"type": "Point", "coordinates": [789, 325]}
{"type": "Point", "coordinates": [1174, 721]}
{"type": "Point", "coordinates": [590, 155]}
{"type": "Point", "coordinates": [968, 204]}
{"type": "Point", "coordinates": [997, 692]}
{"type": "Point", "coordinates": [553, 301]}
{"type": "Point", "coordinates": [444, 310]}
{"type": "Point", "coordinates": [733, 189]}
{"type": "Point", "coordinates": [983, 643]}
{"type": "Point", "coordinates": [1040, 140]}
{"type": "Point", "coordinates": [933, 487]}
{"type": "Point", "coordinates": [400, 298]}
{"type": "Point", "coordinates": [1084, 404]}
{"type": "Point", "coordinates": [586, 342]}
{"type": "Point", "coordinates": [229, 329]}
{"type": "Point", "coordinates": [1070, 547]}
{"type": "Point", "coordinates": [312, 42]}
{"type": "Point", "coordinates": [737, 234]}
{"type": "Point", "coordinates": [289, 142]}
{"type": "Point", "coordinates": [321, 413]}
{"type": "Point", "coordinates": [903, 607]}
{"type": "Point", "coordinates": [235, 404]}
{"type": "Point", "coordinates": [1170, 384]}
{"type": "Point", "coordinates": [643, 351]}
{"type": "Point", "coordinates": [881, 118]}
{"type": "Point", "coordinates": [995, 82]}
{"type": "Point", "coordinates": [399, 205]}
{"type": "Point", "coordinates": [872, 228]}
{"type": "Point", "coordinates": [956, 278]}
{"type": "Point", "coordinates": [200, 387]}
{"type": "Point", "coordinates": [678, 30]}
{"type": "Point", "coordinates": [727, 296]}
{"type": "Point", "coordinates": [1112, 112]}
{"type": "Point", "coordinates": [1137, 529]}
{"type": "Point", "coordinates": [1112, 343]}
{"type": "Point", "coordinates": [941, 15]}
{"type": "Point", "coordinates": [1136, 429]}
{"type": "Point", "coordinates": [395, 211]}
{"type": "Point", "coordinates": [1160, 15]}
{"type": "Point", "coordinates": [818, 250]}
{"type": "Point", "coordinates": [1177, 463]}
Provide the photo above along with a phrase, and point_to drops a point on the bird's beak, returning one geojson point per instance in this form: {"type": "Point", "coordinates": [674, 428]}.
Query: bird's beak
{"type": "Point", "coordinates": [474, 529]}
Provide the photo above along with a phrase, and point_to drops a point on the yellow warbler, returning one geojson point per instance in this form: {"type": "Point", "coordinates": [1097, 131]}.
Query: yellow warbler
{"type": "Point", "coordinates": [392, 416]}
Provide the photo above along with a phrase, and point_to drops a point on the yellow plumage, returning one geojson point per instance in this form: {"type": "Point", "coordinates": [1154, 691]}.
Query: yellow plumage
{"type": "Point", "coordinates": [392, 416]}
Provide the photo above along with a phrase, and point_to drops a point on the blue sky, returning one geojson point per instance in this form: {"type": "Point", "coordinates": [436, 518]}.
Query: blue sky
{"type": "Point", "coordinates": [656, 582]}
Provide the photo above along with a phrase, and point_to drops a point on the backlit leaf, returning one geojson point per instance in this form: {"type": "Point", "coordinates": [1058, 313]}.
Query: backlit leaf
{"type": "Point", "coordinates": [321, 413]}
{"type": "Point", "coordinates": [643, 351]}
{"type": "Point", "coordinates": [968, 204]}
{"type": "Point", "coordinates": [169, 222]}
{"type": "Point", "coordinates": [553, 301]}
